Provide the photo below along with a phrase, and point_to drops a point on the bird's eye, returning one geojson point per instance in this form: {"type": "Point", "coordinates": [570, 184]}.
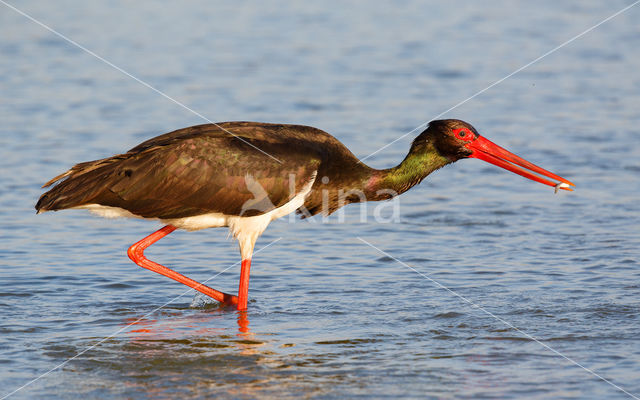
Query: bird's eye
{"type": "Point", "coordinates": [463, 134]}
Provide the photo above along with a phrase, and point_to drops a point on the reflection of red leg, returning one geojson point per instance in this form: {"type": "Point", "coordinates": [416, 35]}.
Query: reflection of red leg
{"type": "Point", "coordinates": [243, 290]}
{"type": "Point", "coordinates": [136, 254]}
{"type": "Point", "coordinates": [243, 322]}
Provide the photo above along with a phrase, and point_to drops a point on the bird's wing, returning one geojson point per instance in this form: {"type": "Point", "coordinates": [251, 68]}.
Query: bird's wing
{"type": "Point", "coordinates": [202, 175]}
{"type": "Point", "coordinates": [188, 175]}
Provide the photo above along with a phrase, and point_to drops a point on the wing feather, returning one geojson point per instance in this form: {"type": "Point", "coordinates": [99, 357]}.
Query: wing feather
{"type": "Point", "coordinates": [189, 173]}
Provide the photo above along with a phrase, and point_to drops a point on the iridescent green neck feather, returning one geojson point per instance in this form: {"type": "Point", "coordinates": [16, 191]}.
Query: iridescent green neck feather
{"type": "Point", "coordinates": [423, 159]}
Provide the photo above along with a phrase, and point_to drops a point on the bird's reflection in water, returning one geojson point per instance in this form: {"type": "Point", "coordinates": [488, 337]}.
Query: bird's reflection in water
{"type": "Point", "coordinates": [201, 353]}
{"type": "Point", "coordinates": [211, 330]}
{"type": "Point", "coordinates": [243, 324]}
{"type": "Point", "coordinates": [212, 323]}
{"type": "Point", "coordinates": [200, 347]}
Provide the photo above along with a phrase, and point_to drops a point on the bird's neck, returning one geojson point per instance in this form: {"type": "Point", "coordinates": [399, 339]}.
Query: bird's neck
{"type": "Point", "coordinates": [422, 160]}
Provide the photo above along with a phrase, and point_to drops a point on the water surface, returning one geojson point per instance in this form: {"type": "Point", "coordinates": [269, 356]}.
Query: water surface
{"type": "Point", "coordinates": [330, 316]}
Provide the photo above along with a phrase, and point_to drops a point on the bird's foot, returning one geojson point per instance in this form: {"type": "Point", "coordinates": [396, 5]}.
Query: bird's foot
{"type": "Point", "coordinates": [203, 301]}
{"type": "Point", "coordinates": [229, 300]}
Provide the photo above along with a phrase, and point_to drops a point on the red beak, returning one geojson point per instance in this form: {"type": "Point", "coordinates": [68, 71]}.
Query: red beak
{"type": "Point", "coordinates": [492, 153]}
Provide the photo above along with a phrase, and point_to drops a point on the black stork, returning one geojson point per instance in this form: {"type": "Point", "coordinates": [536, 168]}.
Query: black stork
{"type": "Point", "coordinates": [243, 175]}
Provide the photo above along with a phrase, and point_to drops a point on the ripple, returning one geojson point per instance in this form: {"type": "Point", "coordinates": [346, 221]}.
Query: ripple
{"type": "Point", "coordinates": [329, 317]}
{"type": "Point", "coordinates": [348, 342]}
{"type": "Point", "coordinates": [450, 314]}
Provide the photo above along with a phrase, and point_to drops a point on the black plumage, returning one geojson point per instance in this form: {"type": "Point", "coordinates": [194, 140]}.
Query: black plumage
{"type": "Point", "coordinates": [204, 169]}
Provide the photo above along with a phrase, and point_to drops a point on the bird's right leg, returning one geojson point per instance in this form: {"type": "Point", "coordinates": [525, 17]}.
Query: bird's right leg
{"type": "Point", "coordinates": [136, 254]}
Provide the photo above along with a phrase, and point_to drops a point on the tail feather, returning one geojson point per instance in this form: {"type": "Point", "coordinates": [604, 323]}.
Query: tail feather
{"type": "Point", "coordinates": [77, 186]}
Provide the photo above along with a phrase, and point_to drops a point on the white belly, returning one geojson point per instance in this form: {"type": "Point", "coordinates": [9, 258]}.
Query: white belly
{"type": "Point", "coordinates": [245, 229]}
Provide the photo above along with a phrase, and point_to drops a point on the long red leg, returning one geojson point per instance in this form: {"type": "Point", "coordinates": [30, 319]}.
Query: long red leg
{"type": "Point", "coordinates": [136, 254]}
{"type": "Point", "coordinates": [243, 289]}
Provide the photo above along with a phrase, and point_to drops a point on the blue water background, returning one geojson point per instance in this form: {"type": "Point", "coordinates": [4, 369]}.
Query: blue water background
{"type": "Point", "coordinates": [330, 316]}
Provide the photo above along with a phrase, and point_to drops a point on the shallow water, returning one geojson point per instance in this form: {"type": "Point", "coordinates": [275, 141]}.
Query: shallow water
{"type": "Point", "coordinates": [330, 316]}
